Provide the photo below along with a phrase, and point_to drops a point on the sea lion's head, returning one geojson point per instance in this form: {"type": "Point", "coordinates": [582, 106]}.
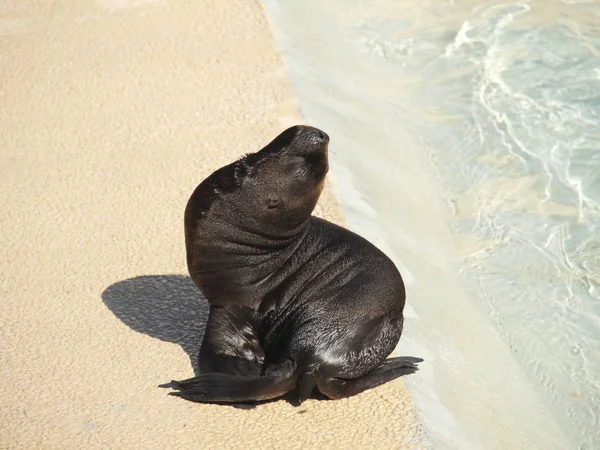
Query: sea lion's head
{"type": "Point", "coordinates": [284, 180]}
{"type": "Point", "coordinates": [270, 193]}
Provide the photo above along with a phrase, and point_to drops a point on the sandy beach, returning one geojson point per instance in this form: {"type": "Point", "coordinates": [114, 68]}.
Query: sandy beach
{"type": "Point", "coordinates": [112, 112]}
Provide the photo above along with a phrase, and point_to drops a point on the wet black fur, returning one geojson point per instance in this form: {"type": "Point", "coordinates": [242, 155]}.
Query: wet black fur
{"type": "Point", "coordinates": [297, 302]}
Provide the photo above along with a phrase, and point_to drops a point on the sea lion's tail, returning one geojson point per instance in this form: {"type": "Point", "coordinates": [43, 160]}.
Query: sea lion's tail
{"type": "Point", "coordinates": [222, 387]}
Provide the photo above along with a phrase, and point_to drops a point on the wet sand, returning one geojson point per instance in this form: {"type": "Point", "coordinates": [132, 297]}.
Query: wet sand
{"type": "Point", "coordinates": [112, 112]}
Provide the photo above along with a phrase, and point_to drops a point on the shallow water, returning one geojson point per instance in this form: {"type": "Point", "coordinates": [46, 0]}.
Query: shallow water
{"type": "Point", "coordinates": [465, 141]}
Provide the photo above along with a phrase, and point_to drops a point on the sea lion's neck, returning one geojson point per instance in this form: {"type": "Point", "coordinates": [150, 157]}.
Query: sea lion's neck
{"type": "Point", "coordinates": [230, 262]}
{"type": "Point", "coordinates": [235, 242]}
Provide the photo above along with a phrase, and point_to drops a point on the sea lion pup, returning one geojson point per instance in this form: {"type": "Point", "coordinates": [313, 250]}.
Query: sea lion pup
{"type": "Point", "coordinates": [296, 302]}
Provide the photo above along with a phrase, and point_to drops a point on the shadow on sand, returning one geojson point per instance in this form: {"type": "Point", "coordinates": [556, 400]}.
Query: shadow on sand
{"type": "Point", "coordinates": [167, 307]}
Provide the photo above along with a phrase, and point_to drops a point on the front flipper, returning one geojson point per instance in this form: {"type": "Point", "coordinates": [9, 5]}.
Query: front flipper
{"type": "Point", "coordinates": [221, 387]}
{"type": "Point", "coordinates": [390, 369]}
{"type": "Point", "coordinates": [231, 343]}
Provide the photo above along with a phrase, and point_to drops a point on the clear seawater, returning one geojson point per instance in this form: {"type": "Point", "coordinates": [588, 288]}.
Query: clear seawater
{"type": "Point", "coordinates": [466, 141]}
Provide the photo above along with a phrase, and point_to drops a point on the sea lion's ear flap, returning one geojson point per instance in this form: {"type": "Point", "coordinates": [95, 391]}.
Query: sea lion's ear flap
{"type": "Point", "coordinates": [272, 202]}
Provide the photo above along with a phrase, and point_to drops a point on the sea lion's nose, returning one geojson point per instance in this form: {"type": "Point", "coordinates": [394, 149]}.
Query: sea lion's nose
{"type": "Point", "coordinates": [318, 136]}
{"type": "Point", "coordinates": [322, 136]}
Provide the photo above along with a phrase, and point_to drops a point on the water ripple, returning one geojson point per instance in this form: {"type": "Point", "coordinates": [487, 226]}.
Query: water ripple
{"type": "Point", "coordinates": [520, 163]}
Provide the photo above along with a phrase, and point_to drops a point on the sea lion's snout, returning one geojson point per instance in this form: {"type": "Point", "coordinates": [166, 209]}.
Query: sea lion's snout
{"type": "Point", "coordinates": [313, 135]}
{"type": "Point", "coordinates": [309, 139]}
{"type": "Point", "coordinates": [299, 140]}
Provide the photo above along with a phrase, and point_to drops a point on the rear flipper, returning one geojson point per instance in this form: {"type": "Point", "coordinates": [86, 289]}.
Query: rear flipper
{"type": "Point", "coordinates": [392, 368]}
{"type": "Point", "coordinates": [221, 387]}
{"type": "Point", "coordinates": [400, 361]}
